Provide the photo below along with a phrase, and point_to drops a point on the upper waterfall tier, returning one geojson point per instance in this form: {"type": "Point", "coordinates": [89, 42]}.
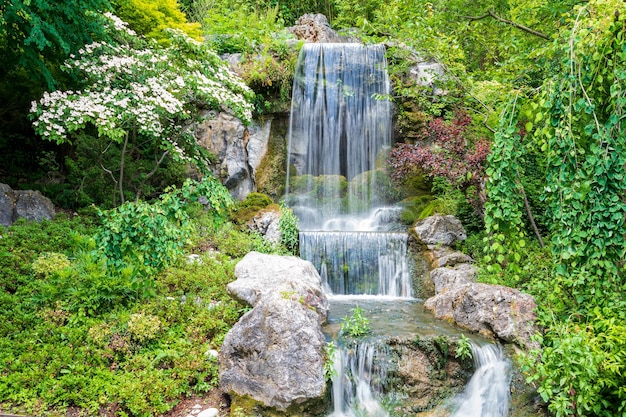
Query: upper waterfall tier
{"type": "Point", "coordinates": [340, 122]}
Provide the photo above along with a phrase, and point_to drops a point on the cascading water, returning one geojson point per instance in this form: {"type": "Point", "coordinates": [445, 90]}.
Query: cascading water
{"type": "Point", "coordinates": [487, 394]}
{"type": "Point", "coordinates": [340, 126]}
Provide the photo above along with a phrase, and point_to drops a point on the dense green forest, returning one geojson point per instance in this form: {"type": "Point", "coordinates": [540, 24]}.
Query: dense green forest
{"type": "Point", "coordinates": [96, 97]}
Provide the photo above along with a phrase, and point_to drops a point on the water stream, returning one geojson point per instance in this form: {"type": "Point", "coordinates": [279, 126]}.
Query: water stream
{"type": "Point", "coordinates": [340, 126]}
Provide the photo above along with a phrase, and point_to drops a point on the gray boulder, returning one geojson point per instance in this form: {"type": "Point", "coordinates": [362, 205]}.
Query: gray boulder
{"type": "Point", "coordinates": [259, 275]}
{"type": "Point", "coordinates": [440, 230]}
{"type": "Point", "coordinates": [275, 353]}
{"type": "Point", "coordinates": [445, 279]}
{"type": "Point", "coordinates": [239, 150]}
{"type": "Point", "coordinates": [17, 204]}
{"type": "Point", "coordinates": [7, 203]}
{"type": "Point", "coordinates": [492, 310]}
{"type": "Point", "coordinates": [440, 256]}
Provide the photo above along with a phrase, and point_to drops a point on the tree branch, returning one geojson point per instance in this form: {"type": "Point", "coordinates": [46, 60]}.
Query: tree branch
{"type": "Point", "coordinates": [491, 13]}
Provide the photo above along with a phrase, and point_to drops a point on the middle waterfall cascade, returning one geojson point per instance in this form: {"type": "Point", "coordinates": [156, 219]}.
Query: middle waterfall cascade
{"type": "Point", "coordinates": [369, 263]}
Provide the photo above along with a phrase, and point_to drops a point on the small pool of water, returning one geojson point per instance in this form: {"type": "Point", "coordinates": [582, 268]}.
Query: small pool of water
{"type": "Point", "coordinates": [392, 317]}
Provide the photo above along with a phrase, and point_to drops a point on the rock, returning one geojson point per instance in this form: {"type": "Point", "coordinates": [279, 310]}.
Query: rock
{"type": "Point", "coordinates": [209, 412]}
{"type": "Point", "coordinates": [267, 223]}
{"type": "Point", "coordinates": [275, 354]}
{"type": "Point", "coordinates": [212, 354]}
{"type": "Point", "coordinates": [315, 28]}
{"type": "Point", "coordinates": [441, 256]}
{"type": "Point", "coordinates": [427, 74]}
{"type": "Point", "coordinates": [239, 150]}
{"type": "Point", "coordinates": [7, 202]}
{"type": "Point", "coordinates": [30, 205]}
{"type": "Point", "coordinates": [440, 230]}
{"type": "Point", "coordinates": [425, 372]}
{"type": "Point", "coordinates": [492, 310]}
{"type": "Point", "coordinates": [449, 278]}
{"type": "Point", "coordinates": [260, 275]}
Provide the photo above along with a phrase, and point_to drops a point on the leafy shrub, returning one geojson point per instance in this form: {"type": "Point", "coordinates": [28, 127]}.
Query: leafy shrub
{"type": "Point", "coordinates": [288, 226]}
{"type": "Point", "coordinates": [144, 327]}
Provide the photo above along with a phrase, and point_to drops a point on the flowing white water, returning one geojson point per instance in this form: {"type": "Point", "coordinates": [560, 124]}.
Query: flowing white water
{"type": "Point", "coordinates": [359, 262]}
{"type": "Point", "coordinates": [338, 126]}
{"type": "Point", "coordinates": [487, 393]}
{"type": "Point", "coordinates": [359, 374]}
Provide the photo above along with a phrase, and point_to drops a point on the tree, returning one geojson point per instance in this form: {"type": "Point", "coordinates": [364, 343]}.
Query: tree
{"type": "Point", "coordinates": [141, 97]}
{"type": "Point", "coordinates": [37, 35]}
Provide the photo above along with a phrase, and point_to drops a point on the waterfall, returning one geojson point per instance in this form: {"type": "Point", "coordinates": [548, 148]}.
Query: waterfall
{"type": "Point", "coordinates": [359, 262]}
{"type": "Point", "coordinates": [359, 374]}
{"type": "Point", "coordinates": [487, 393]}
{"type": "Point", "coordinates": [340, 126]}
{"type": "Point", "coordinates": [340, 122]}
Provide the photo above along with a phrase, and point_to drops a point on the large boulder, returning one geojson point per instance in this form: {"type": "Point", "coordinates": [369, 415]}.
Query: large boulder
{"type": "Point", "coordinates": [274, 355]}
{"type": "Point", "coordinates": [439, 230]}
{"type": "Point", "coordinates": [448, 278]}
{"type": "Point", "coordinates": [492, 310]}
{"type": "Point", "coordinates": [239, 150]}
{"type": "Point", "coordinates": [259, 275]}
{"type": "Point", "coordinates": [17, 204]}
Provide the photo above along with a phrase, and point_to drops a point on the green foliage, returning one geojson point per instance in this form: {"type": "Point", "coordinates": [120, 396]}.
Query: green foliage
{"type": "Point", "coordinates": [36, 36]}
{"type": "Point", "coordinates": [49, 263]}
{"type": "Point", "coordinates": [463, 349]}
{"type": "Point", "coordinates": [506, 238]}
{"type": "Point", "coordinates": [151, 18]}
{"type": "Point", "coordinates": [330, 356]}
{"type": "Point", "coordinates": [356, 324]}
{"type": "Point", "coordinates": [289, 233]}
{"type": "Point", "coordinates": [153, 235]}
{"type": "Point", "coordinates": [96, 353]}
{"type": "Point", "coordinates": [580, 369]}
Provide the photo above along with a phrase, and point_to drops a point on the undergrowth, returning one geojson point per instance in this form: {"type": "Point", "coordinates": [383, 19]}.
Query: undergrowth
{"type": "Point", "coordinates": [123, 338]}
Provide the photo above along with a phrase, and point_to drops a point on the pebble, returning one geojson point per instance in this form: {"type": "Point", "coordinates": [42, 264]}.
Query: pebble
{"type": "Point", "coordinates": [209, 412]}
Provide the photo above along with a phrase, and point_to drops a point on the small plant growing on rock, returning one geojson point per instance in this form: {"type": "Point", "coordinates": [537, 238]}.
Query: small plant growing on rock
{"type": "Point", "coordinates": [356, 324]}
{"type": "Point", "coordinates": [463, 349]}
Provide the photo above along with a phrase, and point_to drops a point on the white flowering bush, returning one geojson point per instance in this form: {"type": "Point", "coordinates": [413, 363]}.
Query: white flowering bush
{"type": "Point", "coordinates": [135, 92]}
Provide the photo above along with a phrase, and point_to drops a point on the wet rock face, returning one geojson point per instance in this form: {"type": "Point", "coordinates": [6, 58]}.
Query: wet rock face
{"type": "Point", "coordinates": [274, 355]}
{"type": "Point", "coordinates": [492, 310]}
{"type": "Point", "coordinates": [17, 204]}
{"type": "Point", "coordinates": [425, 372]}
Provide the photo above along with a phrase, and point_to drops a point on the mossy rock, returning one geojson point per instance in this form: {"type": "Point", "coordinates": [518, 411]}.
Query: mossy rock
{"type": "Point", "coordinates": [414, 208]}
{"type": "Point", "coordinates": [374, 186]}
{"type": "Point", "coordinates": [244, 406]}
{"type": "Point", "coordinates": [302, 184]}
{"type": "Point", "coordinates": [331, 186]}
{"type": "Point", "coordinates": [248, 208]}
